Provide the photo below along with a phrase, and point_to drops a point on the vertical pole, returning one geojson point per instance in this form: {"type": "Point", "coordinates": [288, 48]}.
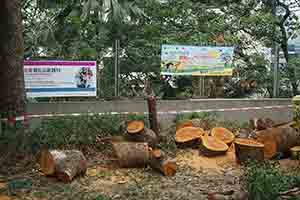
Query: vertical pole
{"type": "Point", "coordinates": [116, 67]}
{"type": "Point", "coordinates": [276, 59]}
{"type": "Point", "coordinates": [151, 101]}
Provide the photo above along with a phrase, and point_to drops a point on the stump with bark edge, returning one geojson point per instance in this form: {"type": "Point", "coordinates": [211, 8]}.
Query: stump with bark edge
{"type": "Point", "coordinates": [137, 132]}
{"type": "Point", "coordinates": [279, 139]}
{"type": "Point", "coordinates": [211, 146]}
{"type": "Point", "coordinates": [248, 149]}
{"type": "Point", "coordinates": [162, 163]}
{"type": "Point", "coordinates": [223, 134]}
{"type": "Point", "coordinates": [63, 164]}
{"type": "Point", "coordinates": [131, 154]}
{"type": "Point", "coordinates": [188, 137]}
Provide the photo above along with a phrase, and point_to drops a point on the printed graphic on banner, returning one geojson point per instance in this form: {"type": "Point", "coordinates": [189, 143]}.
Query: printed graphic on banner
{"type": "Point", "coordinates": [196, 60]}
{"type": "Point", "coordinates": [60, 78]}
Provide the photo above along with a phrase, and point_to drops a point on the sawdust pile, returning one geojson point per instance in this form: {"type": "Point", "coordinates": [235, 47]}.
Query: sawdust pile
{"type": "Point", "coordinates": [200, 163]}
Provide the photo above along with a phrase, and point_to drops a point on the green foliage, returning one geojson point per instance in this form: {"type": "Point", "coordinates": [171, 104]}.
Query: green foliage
{"type": "Point", "coordinates": [264, 181]}
{"type": "Point", "coordinates": [87, 29]}
{"type": "Point", "coordinates": [62, 132]}
{"type": "Point", "coordinates": [65, 132]}
{"type": "Point", "coordinates": [139, 117]}
{"type": "Point", "coordinates": [81, 130]}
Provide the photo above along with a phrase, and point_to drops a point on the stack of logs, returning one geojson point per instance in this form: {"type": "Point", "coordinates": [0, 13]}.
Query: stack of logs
{"type": "Point", "coordinates": [139, 149]}
{"type": "Point", "coordinates": [265, 141]}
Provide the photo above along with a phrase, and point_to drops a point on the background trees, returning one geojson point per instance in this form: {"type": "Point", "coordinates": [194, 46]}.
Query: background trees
{"type": "Point", "coordinates": [87, 29]}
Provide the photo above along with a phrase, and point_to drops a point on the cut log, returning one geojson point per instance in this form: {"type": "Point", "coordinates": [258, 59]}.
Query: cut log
{"type": "Point", "coordinates": [135, 127]}
{"type": "Point", "coordinates": [223, 134]}
{"type": "Point", "coordinates": [212, 146]}
{"type": "Point", "coordinates": [162, 163]}
{"type": "Point", "coordinates": [279, 139]}
{"type": "Point", "coordinates": [136, 132]}
{"type": "Point", "coordinates": [248, 149]}
{"type": "Point", "coordinates": [188, 137]}
{"type": "Point", "coordinates": [183, 124]}
{"type": "Point", "coordinates": [295, 153]}
{"type": "Point", "coordinates": [63, 164]}
{"type": "Point", "coordinates": [131, 154]}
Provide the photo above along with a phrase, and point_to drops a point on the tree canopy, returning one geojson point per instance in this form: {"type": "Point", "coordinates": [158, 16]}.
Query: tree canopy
{"type": "Point", "coordinates": [86, 29]}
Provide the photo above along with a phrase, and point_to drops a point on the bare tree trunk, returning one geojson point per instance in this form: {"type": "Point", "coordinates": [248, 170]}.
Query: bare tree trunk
{"type": "Point", "coordinates": [12, 96]}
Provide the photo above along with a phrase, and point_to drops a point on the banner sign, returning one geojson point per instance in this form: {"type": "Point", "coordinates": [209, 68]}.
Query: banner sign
{"type": "Point", "coordinates": [196, 60]}
{"type": "Point", "coordinates": [60, 78]}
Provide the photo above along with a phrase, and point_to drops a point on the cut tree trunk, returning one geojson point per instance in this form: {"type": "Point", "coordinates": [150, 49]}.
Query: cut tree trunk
{"type": "Point", "coordinates": [151, 100]}
{"type": "Point", "coordinates": [136, 132]}
{"type": "Point", "coordinates": [162, 163]}
{"type": "Point", "coordinates": [63, 164]}
{"type": "Point", "coordinates": [223, 134]}
{"type": "Point", "coordinates": [183, 124]}
{"type": "Point", "coordinates": [279, 139]}
{"type": "Point", "coordinates": [188, 137]}
{"type": "Point", "coordinates": [211, 146]}
{"type": "Point", "coordinates": [12, 97]}
{"type": "Point", "coordinates": [131, 154]}
{"type": "Point", "coordinates": [248, 150]}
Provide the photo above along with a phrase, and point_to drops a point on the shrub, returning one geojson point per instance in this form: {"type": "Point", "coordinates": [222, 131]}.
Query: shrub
{"type": "Point", "coordinates": [264, 181]}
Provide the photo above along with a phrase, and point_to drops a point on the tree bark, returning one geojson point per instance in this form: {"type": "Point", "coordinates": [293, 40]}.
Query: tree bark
{"type": "Point", "coordinates": [131, 154]}
{"type": "Point", "coordinates": [151, 100]}
{"type": "Point", "coordinates": [12, 87]}
{"type": "Point", "coordinates": [248, 150]}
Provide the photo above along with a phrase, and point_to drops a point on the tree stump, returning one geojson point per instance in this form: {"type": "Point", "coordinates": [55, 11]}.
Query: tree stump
{"type": "Point", "coordinates": [137, 132]}
{"type": "Point", "coordinates": [248, 149]}
{"type": "Point", "coordinates": [211, 146]}
{"type": "Point", "coordinates": [223, 134]}
{"type": "Point", "coordinates": [162, 163]}
{"type": "Point", "coordinates": [65, 165]}
{"type": "Point", "coordinates": [279, 139]}
{"type": "Point", "coordinates": [131, 154]}
{"type": "Point", "coordinates": [188, 137]}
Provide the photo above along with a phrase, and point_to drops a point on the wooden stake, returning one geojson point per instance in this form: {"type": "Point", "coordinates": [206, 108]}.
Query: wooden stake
{"type": "Point", "coordinates": [151, 100]}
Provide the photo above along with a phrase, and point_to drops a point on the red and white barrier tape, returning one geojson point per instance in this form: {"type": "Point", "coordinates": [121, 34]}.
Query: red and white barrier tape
{"type": "Point", "coordinates": [26, 117]}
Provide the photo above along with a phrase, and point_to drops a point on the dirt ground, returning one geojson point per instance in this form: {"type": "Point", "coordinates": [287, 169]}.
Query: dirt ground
{"type": "Point", "coordinates": [196, 177]}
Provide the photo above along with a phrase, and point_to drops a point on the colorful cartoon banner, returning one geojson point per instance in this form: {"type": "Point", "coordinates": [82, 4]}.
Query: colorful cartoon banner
{"type": "Point", "coordinates": [196, 60]}
{"type": "Point", "coordinates": [60, 78]}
